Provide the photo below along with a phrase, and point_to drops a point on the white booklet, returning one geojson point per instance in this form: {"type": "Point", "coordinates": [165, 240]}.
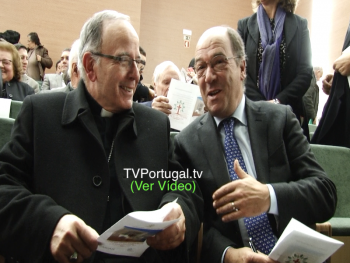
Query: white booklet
{"type": "Point", "coordinates": [5, 106]}
{"type": "Point", "coordinates": [187, 103]}
{"type": "Point", "coordinates": [128, 236]}
{"type": "Point", "coordinates": [299, 243]}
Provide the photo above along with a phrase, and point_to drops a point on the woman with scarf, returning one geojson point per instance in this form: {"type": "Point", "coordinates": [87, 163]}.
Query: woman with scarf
{"type": "Point", "coordinates": [278, 49]}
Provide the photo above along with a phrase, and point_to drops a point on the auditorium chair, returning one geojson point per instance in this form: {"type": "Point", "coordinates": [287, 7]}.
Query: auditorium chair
{"type": "Point", "coordinates": [335, 161]}
{"type": "Point", "coordinates": [15, 108]}
{"type": "Point", "coordinates": [6, 125]}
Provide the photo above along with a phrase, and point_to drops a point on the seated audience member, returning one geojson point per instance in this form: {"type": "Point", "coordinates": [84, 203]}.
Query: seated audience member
{"type": "Point", "coordinates": [72, 72]}
{"type": "Point", "coordinates": [58, 67]}
{"type": "Point", "coordinates": [142, 92]}
{"type": "Point", "coordinates": [11, 67]}
{"type": "Point", "coordinates": [52, 81]}
{"type": "Point", "coordinates": [162, 75]}
{"type": "Point", "coordinates": [38, 58]}
{"type": "Point", "coordinates": [23, 54]}
{"type": "Point", "coordinates": [334, 126]}
{"type": "Point", "coordinates": [258, 170]}
{"type": "Point", "coordinates": [96, 132]}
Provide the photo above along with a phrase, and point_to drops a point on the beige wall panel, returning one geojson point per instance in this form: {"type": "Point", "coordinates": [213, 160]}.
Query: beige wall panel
{"type": "Point", "coordinates": [58, 23]}
{"type": "Point", "coordinates": [162, 23]}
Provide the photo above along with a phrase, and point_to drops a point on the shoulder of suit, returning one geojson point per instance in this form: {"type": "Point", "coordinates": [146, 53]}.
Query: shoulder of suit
{"type": "Point", "coordinates": [148, 112]}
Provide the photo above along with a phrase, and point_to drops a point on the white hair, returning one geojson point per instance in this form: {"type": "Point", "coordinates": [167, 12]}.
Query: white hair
{"type": "Point", "coordinates": [162, 67]}
{"type": "Point", "coordinates": [91, 34]}
{"type": "Point", "coordinates": [73, 56]}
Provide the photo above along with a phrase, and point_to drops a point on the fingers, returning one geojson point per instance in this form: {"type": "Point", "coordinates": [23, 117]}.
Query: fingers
{"type": "Point", "coordinates": [161, 103]}
{"type": "Point", "coordinates": [72, 235]}
{"type": "Point", "coordinates": [172, 236]}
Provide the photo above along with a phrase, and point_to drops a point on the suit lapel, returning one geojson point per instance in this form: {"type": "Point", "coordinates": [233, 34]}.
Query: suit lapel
{"type": "Point", "coordinates": [253, 29]}
{"type": "Point", "coordinates": [76, 107]}
{"type": "Point", "coordinates": [257, 127]}
{"type": "Point", "coordinates": [290, 28]}
{"type": "Point", "coordinates": [213, 150]}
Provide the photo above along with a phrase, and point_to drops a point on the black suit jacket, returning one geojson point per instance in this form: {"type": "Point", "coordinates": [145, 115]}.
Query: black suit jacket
{"type": "Point", "coordinates": [282, 157]}
{"type": "Point", "coordinates": [334, 126]}
{"type": "Point", "coordinates": [17, 90]}
{"type": "Point", "coordinates": [55, 164]}
{"type": "Point", "coordinates": [298, 68]}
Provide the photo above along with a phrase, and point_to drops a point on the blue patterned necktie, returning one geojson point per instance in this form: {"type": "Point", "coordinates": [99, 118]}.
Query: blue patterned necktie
{"type": "Point", "coordinates": [258, 227]}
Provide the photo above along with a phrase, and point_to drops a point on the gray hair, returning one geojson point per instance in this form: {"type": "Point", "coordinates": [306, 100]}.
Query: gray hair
{"type": "Point", "coordinates": [162, 67]}
{"type": "Point", "coordinates": [91, 34]}
{"type": "Point", "coordinates": [73, 56]}
{"type": "Point", "coordinates": [237, 45]}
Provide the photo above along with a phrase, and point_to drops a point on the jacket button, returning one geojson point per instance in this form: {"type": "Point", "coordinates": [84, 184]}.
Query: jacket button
{"type": "Point", "coordinates": [10, 95]}
{"type": "Point", "coordinates": [97, 180]}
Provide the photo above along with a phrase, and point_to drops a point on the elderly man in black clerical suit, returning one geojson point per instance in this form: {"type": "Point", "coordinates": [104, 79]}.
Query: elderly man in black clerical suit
{"type": "Point", "coordinates": [258, 170]}
{"type": "Point", "coordinates": [64, 175]}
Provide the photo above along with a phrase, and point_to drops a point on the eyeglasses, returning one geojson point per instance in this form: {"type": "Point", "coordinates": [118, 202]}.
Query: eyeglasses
{"type": "Point", "coordinates": [217, 63]}
{"type": "Point", "coordinates": [6, 62]}
{"type": "Point", "coordinates": [124, 60]}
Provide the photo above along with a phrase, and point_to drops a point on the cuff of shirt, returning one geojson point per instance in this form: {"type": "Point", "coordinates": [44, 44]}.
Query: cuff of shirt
{"type": "Point", "coordinates": [273, 206]}
{"type": "Point", "coordinates": [223, 255]}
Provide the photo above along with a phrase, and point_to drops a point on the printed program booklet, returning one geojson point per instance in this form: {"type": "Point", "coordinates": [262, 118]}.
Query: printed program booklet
{"type": "Point", "coordinates": [128, 236]}
{"type": "Point", "coordinates": [299, 243]}
{"type": "Point", "coordinates": [187, 103]}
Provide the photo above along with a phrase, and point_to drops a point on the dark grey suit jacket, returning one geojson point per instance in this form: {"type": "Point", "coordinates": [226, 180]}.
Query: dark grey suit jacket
{"type": "Point", "coordinates": [298, 68]}
{"type": "Point", "coordinates": [56, 164]}
{"type": "Point", "coordinates": [282, 157]}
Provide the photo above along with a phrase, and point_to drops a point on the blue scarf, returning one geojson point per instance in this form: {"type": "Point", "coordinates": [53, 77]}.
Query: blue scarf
{"type": "Point", "coordinates": [269, 71]}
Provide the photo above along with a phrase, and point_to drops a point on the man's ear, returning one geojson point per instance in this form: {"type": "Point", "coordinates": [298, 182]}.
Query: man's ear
{"type": "Point", "coordinates": [88, 64]}
{"type": "Point", "coordinates": [243, 70]}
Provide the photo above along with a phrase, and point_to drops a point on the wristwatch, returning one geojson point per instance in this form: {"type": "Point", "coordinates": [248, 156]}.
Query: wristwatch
{"type": "Point", "coordinates": [276, 101]}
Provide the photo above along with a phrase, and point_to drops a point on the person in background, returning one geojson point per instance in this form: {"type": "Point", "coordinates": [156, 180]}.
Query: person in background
{"type": "Point", "coordinates": [73, 73]}
{"type": "Point", "coordinates": [258, 169]}
{"type": "Point", "coordinates": [11, 36]}
{"type": "Point", "coordinates": [23, 54]}
{"type": "Point", "coordinates": [334, 126]}
{"type": "Point", "coordinates": [38, 56]}
{"type": "Point", "coordinates": [11, 68]}
{"type": "Point", "coordinates": [142, 93]}
{"type": "Point", "coordinates": [64, 168]}
{"type": "Point", "coordinates": [278, 49]}
{"type": "Point", "coordinates": [53, 81]}
{"type": "Point", "coordinates": [162, 75]}
{"type": "Point", "coordinates": [58, 67]}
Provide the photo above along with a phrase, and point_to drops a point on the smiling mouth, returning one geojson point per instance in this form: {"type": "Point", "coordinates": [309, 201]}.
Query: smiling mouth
{"type": "Point", "coordinates": [127, 89]}
{"type": "Point", "coordinates": [213, 93]}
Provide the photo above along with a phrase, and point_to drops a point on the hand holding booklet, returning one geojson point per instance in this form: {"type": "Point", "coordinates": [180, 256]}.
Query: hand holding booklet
{"type": "Point", "coordinates": [128, 236]}
{"type": "Point", "coordinates": [186, 102]}
{"type": "Point", "coordinates": [299, 243]}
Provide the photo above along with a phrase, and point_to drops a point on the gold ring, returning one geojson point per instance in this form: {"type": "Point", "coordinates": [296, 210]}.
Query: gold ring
{"type": "Point", "coordinates": [233, 207]}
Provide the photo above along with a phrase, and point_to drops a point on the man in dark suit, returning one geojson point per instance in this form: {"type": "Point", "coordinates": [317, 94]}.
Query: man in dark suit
{"type": "Point", "coordinates": [63, 175]}
{"type": "Point", "coordinates": [334, 126]}
{"type": "Point", "coordinates": [283, 179]}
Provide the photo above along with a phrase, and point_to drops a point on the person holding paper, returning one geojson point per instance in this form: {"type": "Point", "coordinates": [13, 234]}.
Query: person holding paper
{"type": "Point", "coordinates": [162, 75]}
{"type": "Point", "coordinates": [258, 170]}
{"type": "Point", "coordinates": [69, 173]}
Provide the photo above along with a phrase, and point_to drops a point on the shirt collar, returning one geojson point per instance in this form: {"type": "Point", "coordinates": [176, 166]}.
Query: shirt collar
{"type": "Point", "coordinates": [238, 114]}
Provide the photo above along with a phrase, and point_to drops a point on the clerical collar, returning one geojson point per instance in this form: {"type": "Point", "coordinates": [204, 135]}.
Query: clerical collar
{"type": "Point", "coordinates": [105, 113]}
